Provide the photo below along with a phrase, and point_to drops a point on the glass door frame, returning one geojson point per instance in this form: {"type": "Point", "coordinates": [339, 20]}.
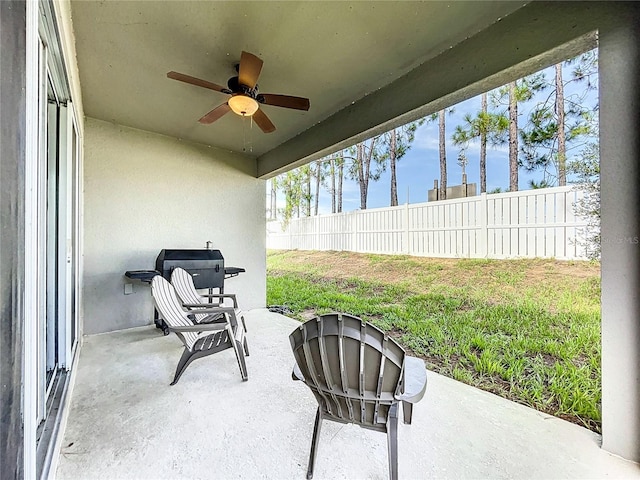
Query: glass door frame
{"type": "Point", "coordinates": [45, 63]}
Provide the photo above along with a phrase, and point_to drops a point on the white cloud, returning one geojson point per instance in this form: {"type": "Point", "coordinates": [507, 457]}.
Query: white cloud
{"type": "Point", "coordinates": [426, 142]}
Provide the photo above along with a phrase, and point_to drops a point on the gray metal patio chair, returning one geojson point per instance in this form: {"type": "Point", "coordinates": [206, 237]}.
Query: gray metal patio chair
{"type": "Point", "coordinates": [193, 300]}
{"type": "Point", "coordinates": [358, 375]}
{"type": "Point", "coordinates": [199, 339]}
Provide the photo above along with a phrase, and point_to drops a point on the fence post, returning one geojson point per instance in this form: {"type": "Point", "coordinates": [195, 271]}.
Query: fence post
{"type": "Point", "coordinates": [317, 239]}
{"type": "Point", "coordinates": [406, 244]}
{"type": "Point", "coordinates": [483, 234]}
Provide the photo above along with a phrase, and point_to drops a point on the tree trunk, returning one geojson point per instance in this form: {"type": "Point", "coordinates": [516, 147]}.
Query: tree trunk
{"type": "Point", "coordinates": [443, 157]}
{"type": "Point", "coordinates": [308, 193]}
{"type": "Point", "coordinates": [513, 138]}
{"type": "Point", "coordinates": [289, 205]}
{"type": "Point", "coordinates": [332, 173]}
{"type": "Point", "coordinates": [272, 213]}
{"type": "Point", "coordinates": [483, 146]}
{"type": "Point", "coordinates": [363, 163]}
{"type": "Point", "coordinates": [392, 163]}
{"type": "Point", "coordinates": [362, 175]}
{"type": "Point", "coordinates": [562, 146]}
{"type": "Point", "coordinates": [340, 177]}
{"type": "Point", "coordinates": [317, 199]}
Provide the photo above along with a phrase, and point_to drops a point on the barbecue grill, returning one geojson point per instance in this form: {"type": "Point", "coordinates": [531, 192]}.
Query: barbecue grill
{"type": "Point", "coordinates": [206, 266]}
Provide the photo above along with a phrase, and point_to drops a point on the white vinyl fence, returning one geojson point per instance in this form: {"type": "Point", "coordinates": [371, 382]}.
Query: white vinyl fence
{"type": "Point", "coordinates": [531, 223]}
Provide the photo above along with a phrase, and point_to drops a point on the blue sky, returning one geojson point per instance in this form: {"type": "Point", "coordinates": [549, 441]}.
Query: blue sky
{"type": "Point", "coordinates": [417, 170]}
{"type": "Point", "coordinates": [421, 165]}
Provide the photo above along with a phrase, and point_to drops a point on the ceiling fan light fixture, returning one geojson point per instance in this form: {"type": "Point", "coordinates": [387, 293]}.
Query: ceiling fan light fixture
{"type": "Point", "coordinates": [243, 105]}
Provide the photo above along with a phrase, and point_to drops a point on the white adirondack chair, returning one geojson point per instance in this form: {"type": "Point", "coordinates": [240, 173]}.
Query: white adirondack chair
{"type": "Point", "coordinates": [182, 281]}
{"type": "Point", "coordinates": [199, 339]}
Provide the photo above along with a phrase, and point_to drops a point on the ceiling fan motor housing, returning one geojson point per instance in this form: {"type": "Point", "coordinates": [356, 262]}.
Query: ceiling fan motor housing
{"type": "Point", "coordinates": [236, 87]}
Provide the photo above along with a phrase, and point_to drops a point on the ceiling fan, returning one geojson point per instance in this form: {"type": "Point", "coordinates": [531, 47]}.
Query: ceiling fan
{"type": "Point", "coordinates": [245, 99]}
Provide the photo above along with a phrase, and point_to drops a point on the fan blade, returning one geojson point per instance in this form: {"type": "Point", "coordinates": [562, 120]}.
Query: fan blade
{"type": "Point", "coordinates": [215, 114]}
{"type": "Point", "coordinates": [263, 121]}
{"type": "Point", "coordinates": [285, 101]}
{"type": "Point", "coordinates": [249, 70]}
{"type": "Point", "coordinates": [195, 81]}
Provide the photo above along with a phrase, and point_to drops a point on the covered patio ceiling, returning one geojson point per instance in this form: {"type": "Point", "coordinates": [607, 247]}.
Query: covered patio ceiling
{"type": "Point", "coordinates": [363, 65]}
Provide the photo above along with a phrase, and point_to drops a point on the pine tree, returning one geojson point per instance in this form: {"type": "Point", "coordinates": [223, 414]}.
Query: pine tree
{"type": "Point", "coordinates": [488, 128]}
{"type": "Point", "coordinates": [290, 184]}
{"type": "Point", "coordinates": [360, 168]}
{"type": "Point", "coordinates": [443, 155]}
{"type": "Point", "coordinates": [305, 188]}
{"type": "Point", "coordinates": [440, 117]}
{"type": "Point", "coordinates": [511, 95]}
{"type": "Point", "coordinates": [319, 173]}
{"type": "Point", "coordinates": [340, 163]}
{"type": "Point", "coordinates": [273, 198]}
{"type": "Point", "coordinates": [513, 138]}
{"type": "Point", "coordinates": [560, 119]}
{"type": "Point", "coordinates": [394, 145]}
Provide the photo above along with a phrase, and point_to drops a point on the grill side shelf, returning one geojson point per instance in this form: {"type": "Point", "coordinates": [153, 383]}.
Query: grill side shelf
{"type": "Point", "coordinates": [233, 271]}
{"type": "Point", "coordinates": [142, 275]}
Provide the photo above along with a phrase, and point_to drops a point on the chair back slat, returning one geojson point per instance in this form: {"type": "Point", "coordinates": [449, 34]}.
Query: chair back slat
{"type": "Point", "coordinates": [344, 377]}
{"type": "Point", "coordinates": [353, 368]}
{"type": "Point", "coordinates": [186, 290]}
{"type": "Point", "coordinates": [169, 306]}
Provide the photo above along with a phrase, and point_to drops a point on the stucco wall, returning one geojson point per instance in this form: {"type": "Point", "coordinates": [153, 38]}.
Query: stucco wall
{"type": "Point", "coordinates": [144, 192]}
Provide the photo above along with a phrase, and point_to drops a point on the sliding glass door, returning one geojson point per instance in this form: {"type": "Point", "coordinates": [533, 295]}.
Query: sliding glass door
{"type": "Point", "coordinates": [57, 262]}
{"type": "Point", "coordinates": [52, 239]}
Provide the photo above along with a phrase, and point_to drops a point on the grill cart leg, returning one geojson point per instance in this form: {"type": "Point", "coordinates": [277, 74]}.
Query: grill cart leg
{"type": "Point", "coordinates": [160, 323]}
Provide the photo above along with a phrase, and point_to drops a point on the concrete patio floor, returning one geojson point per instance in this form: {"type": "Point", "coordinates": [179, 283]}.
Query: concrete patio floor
{"type": "Point", "coordinates": [126, 422]}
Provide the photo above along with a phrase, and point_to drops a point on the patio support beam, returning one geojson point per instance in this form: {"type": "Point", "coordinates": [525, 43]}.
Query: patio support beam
{"type": "Point", "coordinates": [534, 37]}
{"type": "Point", "coordinates": [620, 191]}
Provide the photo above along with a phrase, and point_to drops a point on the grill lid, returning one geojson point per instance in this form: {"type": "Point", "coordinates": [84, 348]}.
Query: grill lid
{"type": "Point", "coordinates": [205, 266]}
{"type": "Point", "coordinates": [184, 254]}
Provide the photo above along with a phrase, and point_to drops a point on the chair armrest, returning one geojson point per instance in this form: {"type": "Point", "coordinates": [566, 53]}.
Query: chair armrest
{"type": "Point", "coordinates": [200, 327]}
{"type": "Point", "coordinates": [414, 381]}
{"type": "Point", "coordinates": [232, 296]}
{"type": "Point", "coordinates": [296, 374]}
{"type": "Point", "coordinates": [230, 311]}
{"type": "Point", "coordinates": [205, 309]}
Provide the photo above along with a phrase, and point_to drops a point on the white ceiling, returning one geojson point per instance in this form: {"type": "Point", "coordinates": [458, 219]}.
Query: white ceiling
{"type": "Point", "coordinates": [335, 53]}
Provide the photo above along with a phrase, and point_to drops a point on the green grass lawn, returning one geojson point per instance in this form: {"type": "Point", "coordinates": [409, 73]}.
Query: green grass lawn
{"type": "Point", "coordinates": [527, 330]}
